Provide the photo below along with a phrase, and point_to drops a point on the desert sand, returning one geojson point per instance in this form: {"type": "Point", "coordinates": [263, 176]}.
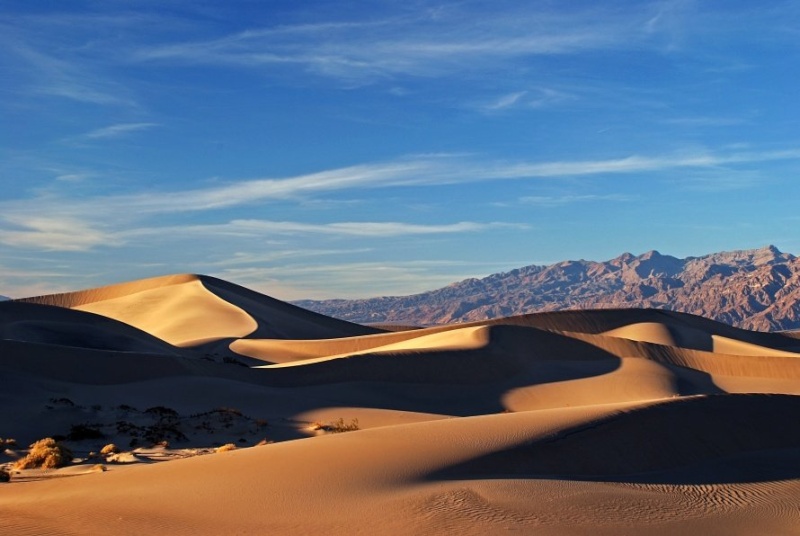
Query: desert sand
{"type": "Point", "coordinates": [604, 422]}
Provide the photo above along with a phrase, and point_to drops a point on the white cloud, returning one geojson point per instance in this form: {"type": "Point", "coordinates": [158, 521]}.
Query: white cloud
{"type": "Point", "coordinates": [67, 79]}
{"type": "Point", "coordinates": [260, 228]}
{"type": "Point", "coordinates": [506, 101]}
{"type": "Point", "coordinates": [528, 99]}
{"type": "Point", "coordinates": [114, 131]}
{"type": "Point", "coordinates": [555, 201]}
{"type": "Point", "coordinates": [358, 279]}
{"type": "Point", "coordinates": [417, 171]}
{"type": "Point", "coordinates": [423, 171]}
{"type": "Point", "coordinates": [364, 229]}
{"type": "Point", "coordinates": [53, 234]}
{"type": "Point", "coordinates": [418, 45]}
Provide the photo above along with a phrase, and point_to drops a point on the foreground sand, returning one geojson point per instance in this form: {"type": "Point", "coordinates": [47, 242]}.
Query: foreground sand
{"type": "Point", "coordinates": [592, 422]}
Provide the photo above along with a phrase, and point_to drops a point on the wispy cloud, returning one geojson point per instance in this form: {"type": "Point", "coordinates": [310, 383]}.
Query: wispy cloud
{"type": "Point", "coordinates": [53, 234]}
{"type": "Point", "coordinates": [704, 121]}
{"type": "Point", "coordinates": [240, 258]}
{"type": "Point", "coordinates": [427, 171]}
{"type": "Point", "coordinates": [562, 200]}
{"type": "Point", "coordinates": [528, 99]}
{"type": "Point", "coordinates": [358, 279]}
{"type": "Point", "coordinates": [261, 228]}
{"type": "Point", "coordinates": [69, 79]}
{"type": "Point", "coordinates": [117, 130]}
{"type": "Point", "coordinates": [365, 229]}
{"type": "Point", "coordinates": [506, 101]}
{"type": "Point", "coordinates": [415, 171]}
{"type": "Point", "coordinates": [83, 223]}
{"type": "Point", "coordinates": [417, 45]}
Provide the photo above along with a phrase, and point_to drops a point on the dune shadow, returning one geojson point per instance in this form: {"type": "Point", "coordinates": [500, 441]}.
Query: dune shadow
{"type": "Point", "coordinates": [698, 440]}
{"type": "Point", "coordinates": [454, 382]}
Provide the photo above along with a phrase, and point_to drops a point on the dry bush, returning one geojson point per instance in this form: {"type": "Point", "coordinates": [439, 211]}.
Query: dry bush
{"type": "Point", "coordinates": [340, 426]}
{"type": "Point", "coordinates": [111, 448]}
{"type": "Point", "coordinates": [225, 448]}
{"type": "Point", "coordinates": [99, 468]}
{"type": "Point", "coordinates": [6, 443]}
{"type": "Point", "coordinates": [46, 453]}
{"type": "Point", "coordinates": [337, 427]}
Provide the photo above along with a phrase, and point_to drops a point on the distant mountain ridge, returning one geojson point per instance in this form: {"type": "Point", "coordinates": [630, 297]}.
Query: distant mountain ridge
{"type": "Point", "coordinates": [752, 289]}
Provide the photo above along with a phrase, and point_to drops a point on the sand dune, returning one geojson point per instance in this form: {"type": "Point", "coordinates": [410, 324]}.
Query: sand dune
{"type": "Point", "coordinates": [580, 422]}
{"type": "Point", "coordinates": [189, 310]}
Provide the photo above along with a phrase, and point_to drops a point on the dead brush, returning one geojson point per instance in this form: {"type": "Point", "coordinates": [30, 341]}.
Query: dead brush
{"type": "Point", "coordinates": [109, 449]}
{"type": "Point", "coordinates": [46, 453]}
{"type": "Point", "coordinates": [337, 427]}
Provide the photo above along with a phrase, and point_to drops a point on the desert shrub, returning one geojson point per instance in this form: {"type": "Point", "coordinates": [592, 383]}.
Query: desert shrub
{"type": "Point", "coordinates": [338, 426]}
{"type": "Point", "coordinates": [5, 476]}
{"type": "Point", "coordinates": [99, 468]}
{"type": "Point", "coordinates": [111, 448]}
{"type": "Point", "coordinates": [226, 447]}
{"type": "Point", "coordinates": [46, 453]}
{"type": "Point", "coordinates": [6, 443]}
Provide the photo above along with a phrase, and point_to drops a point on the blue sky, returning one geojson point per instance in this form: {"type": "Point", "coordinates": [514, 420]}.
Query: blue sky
{"type": "Point", "coordinates": [323, 149]}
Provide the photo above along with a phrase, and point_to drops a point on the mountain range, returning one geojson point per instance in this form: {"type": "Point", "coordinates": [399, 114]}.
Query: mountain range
{"type": "Point", "coordinates": [753, 289]}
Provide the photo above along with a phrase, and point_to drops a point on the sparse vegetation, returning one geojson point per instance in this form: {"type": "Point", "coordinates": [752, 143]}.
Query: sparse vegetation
{"type": "Point", "coordinates": [46, 453]}
{"type": "Point", "coordinates": [7, 443]}
{"type": "Point", "coordinates": [226, 447]}
{"type": "Point", "coordinates": [338, 426]}
{"type": "Point", "coordinates": [5, 476]}
{"type": "Point", "coordinates": [111, 448]}
{"type": "Point", "coordinates": [99, 468]}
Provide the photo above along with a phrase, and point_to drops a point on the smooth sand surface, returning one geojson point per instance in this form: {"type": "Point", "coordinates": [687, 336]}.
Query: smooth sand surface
{"type": "Point", "coordinates": [608, 422]}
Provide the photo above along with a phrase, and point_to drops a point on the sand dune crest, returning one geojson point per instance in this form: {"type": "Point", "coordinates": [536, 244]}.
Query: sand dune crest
{"type": "Point", "coordinates": [580, 422]}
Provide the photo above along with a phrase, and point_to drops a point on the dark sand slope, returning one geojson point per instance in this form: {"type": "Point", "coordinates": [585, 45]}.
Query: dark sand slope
{"type": "Point", "coordinates": [589, 422]}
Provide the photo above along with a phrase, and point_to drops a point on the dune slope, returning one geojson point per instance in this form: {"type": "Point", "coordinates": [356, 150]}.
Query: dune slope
{"type": "Point", "coordinates": [609, 422]}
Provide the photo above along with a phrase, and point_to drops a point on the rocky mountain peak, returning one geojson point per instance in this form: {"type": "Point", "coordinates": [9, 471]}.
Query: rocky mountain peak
{"type": "Point", "coordinates": [755, 289]}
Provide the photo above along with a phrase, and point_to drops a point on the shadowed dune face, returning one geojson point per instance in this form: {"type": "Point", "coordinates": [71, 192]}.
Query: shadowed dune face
{"type": "Point", "coordinates": [648, 444]}
{"type": "Point", "coordinates": [189, 310]}
{"type": "Point", "coordinates": [580, 422]}
{"type": "Point", "coordinates": [44, 324]}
